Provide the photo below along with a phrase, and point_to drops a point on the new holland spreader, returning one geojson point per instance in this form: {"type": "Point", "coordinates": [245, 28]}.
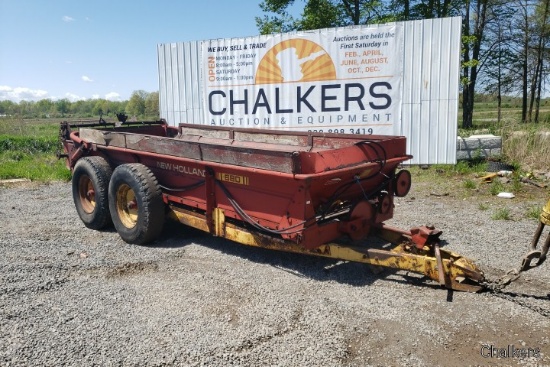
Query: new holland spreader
{"type": "Point", "coordinates": [311, 193]}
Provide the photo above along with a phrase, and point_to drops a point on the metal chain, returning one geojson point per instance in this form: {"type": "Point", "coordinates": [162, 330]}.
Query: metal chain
{"type": "Point", "coordinates": [496, 288]}
{"type": "Point", "coordinates": [526, 263]}
{"type": "Point", "coordinates": [514, 298]}
{"type": "Point", "coordinates": [503, 281]}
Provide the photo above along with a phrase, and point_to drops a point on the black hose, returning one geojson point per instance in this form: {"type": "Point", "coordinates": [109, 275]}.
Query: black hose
{"type": "Point", "coordinates": [251, 221]}
{"type": "Point", "coordinates": [377, 148]}
{"type": "Point", "coordinates": [184, 188]}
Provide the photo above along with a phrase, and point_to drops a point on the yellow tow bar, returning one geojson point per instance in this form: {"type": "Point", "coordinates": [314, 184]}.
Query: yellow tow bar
{"type": "Point", "coordinates": [416, 250]}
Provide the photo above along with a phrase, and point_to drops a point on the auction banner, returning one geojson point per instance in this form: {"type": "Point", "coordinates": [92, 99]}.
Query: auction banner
{"type": "Point", "coordinates": [343, 80]}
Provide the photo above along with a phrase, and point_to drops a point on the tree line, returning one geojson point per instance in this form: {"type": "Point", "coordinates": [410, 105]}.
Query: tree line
{"type": "Point", "coordinates": [504, 43]}
{"type": "Point", "coordinates": [141, 105]}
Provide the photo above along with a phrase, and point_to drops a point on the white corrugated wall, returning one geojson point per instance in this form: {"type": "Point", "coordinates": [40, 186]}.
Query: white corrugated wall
{"type": "Point", "coordinates": [430, 87]}
{"type": "Point", "coordinates": [180, 86]}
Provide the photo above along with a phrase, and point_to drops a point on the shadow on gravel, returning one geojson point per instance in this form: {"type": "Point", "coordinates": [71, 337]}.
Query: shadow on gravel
{"type": "Point", "coordinates": [176, 235]}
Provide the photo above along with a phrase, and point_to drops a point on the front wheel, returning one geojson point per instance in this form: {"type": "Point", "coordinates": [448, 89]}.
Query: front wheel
{"type": "Point", "coordinates": [135, 203]}
{"type": "Point", "coordinates": [91, 177]}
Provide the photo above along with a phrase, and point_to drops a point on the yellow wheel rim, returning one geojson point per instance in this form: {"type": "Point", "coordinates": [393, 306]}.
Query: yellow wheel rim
{"type": "Point", "coordinates": [86, 193]}
{"type": "Point", "coordinates": [126, 206]}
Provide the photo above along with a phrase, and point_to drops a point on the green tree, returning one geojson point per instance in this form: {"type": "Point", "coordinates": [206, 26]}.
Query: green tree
{"type": "Point", "coordinates": [26, 108]}
{"type": "Point", "coordinates": [62, 106]}
{"type": "Point", "coordinates": [44, 107]}
{"type": "Point", "coordinates": [474, 22]}
{"type": "Point", "coordinates": [278, 19]}
{"type": "Point", "coordinates": [83, 108]}
{"type": "Point", "coordinates": [541, 31]}
{"type": "Point", "coordinates": [497, 73]}
{"type": "Point", "coordinates": [136, 104]}
{"type": "Point", "coordinates": [319, 14]}
{"type": "Point", "coordinates": [101, 107]}
{"type": "Point", "coordinates": [152, 105]}
{"type": "Point", "coordinates": [8, 108]}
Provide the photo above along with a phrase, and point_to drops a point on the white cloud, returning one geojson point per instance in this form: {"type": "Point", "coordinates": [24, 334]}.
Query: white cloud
{"type": "Point", "coordinates": [19, 94]}
{"type": "Point", "coordinates": [26, 94]}
{"type": "Point", "coordinates": [87, 79]}
{"type": "Point", "coordinates": [68, 19]}
{"type": "Point", "coordinates": [113, 96]}
{"type": "Point", "coordinates": [73, 97]}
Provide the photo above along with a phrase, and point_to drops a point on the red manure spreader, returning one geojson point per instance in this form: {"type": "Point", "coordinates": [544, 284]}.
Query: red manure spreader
{"type": "Point", "coordinates": [311, 193]}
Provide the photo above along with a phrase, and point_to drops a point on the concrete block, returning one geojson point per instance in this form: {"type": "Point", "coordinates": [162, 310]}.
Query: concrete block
{"type": "Point", "coordinates": [496, 152]}
{"type": "Point", "coordinates": [485, 142]}
{"type": "Point", "coordinates": [486, 145]}
{"type": "Point", "coordinates": [472, 154]}
{"type": "Point", "coordinates": [462, 155]}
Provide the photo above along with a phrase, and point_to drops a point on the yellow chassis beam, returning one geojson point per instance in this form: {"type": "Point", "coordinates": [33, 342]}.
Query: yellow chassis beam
{"type": "Point", "coordinates": [449, 269]}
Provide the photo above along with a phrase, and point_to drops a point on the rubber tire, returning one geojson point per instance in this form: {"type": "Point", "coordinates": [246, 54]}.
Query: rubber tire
{"type": "Point", "coordinates": [98, 172]}
{"type": "Point", "coordinates": [148, 196]}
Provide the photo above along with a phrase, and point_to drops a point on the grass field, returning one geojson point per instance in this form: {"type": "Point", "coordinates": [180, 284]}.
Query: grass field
{"type": "Point", "coordinates": [486, 113]}
{"type": "Point", "coordinates": [28, 150]}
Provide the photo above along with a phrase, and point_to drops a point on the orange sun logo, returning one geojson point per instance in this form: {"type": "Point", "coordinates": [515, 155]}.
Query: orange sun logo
{"type": "Point", "coordinates": [295, 60]}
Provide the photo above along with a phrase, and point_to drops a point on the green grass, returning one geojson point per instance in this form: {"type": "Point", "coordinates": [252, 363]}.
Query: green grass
{"type": "Point", "coordinates": [465, 180]}
{"type": "Point", "coordinates": [28, 150]}
{"type": "Point", "coordinates": [37, 128]}
{"type": "Point", "coordinates": [501, 214]}
{"type": "Point", "coordinates": [470, 184]}
{"type": "Point", "coordinates": [496, 187]}
{"type": "Point", "coordinates": [516, 184]}
{"type": "Point", "coordinates": [534, 212]}
{"type": "Point", "coordinates": [30, 145]}
{"type": "Point", "coordinates": [483, 206]}
{"type": "Point", "coordinates": [36, 167]}
{"type": "Point", "coordinates": [527, 145]}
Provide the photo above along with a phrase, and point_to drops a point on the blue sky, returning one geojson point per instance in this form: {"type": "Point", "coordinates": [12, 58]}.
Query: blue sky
{"type": "Point", "coordinates": [104, 48]}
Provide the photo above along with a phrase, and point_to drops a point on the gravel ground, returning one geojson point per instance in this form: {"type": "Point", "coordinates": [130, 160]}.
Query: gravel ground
{"type": "Point", "coordinates": [76, 297]}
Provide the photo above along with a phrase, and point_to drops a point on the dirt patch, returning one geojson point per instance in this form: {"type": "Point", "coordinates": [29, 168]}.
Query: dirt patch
{"type": "Point", "coordinates": [130, 269]}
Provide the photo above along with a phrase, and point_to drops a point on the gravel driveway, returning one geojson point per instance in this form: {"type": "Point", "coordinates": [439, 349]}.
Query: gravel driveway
{"type": "Point", "coordinates": [77, 297]}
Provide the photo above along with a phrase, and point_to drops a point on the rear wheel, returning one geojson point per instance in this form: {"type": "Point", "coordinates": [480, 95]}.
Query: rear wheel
{"type": "Point", "coordinates": [135, 203]}
{"type": "Point", "coordinates": [91, 177]}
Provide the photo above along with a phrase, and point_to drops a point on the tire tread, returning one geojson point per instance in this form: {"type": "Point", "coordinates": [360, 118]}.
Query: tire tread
{"type": "Point", "coordinates": [99, 171]}
{"type": "Point", "coordinates": [151, 206]}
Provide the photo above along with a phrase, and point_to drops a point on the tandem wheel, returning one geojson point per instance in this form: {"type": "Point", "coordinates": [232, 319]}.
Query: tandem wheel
{"type": "Point", "coordinates": [135, 203]}
{"type": "Point", "coordinates": [90, 185]}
